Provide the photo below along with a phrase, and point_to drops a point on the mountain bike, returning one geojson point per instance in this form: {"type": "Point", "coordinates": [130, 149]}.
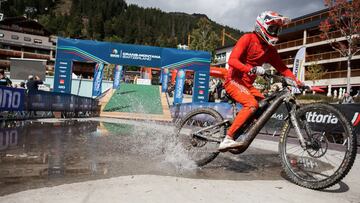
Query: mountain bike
{"type": "Point", "coordinates": [317, 144]}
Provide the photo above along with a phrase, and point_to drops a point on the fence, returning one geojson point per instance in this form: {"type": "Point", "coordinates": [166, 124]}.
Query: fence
{"type": "Point", "coordinates": [16, 100]}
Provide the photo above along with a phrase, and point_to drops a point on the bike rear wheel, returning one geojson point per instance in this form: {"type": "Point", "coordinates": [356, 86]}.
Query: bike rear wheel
{"type": "Point", "coordinates": [199, 149]}
{"type": "Point", "coordinates": [330, 150]}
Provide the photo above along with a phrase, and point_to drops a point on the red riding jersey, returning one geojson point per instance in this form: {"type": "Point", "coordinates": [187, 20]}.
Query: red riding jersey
{"type": "Point", "coordinates": [251, 51]}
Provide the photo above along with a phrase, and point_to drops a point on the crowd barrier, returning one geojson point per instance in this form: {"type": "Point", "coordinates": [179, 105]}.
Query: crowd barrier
{"type": "Point", "coordinates": [275, 123]}
{"type": "Point", "coordinates": [14, 99]}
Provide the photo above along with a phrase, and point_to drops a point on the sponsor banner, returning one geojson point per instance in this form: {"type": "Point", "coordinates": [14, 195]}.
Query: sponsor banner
{"type": "Point", "coordinates": [298, 68]}
{"type": "Point", "coordinates": [201, 86]}
{"type": "Point", "coordinates": [63, 76]}
{"type": "Point", "coordinates": [275, 123]}
{"type": "Point", "coordinates": [179, 86]}
{"type": "Point", "coordinates": [97, 82]}
{"type": "Point", "coordinates": [117, 76]}
{"type": "Point", "coordinates": [11, 99]}
{"type": "Point", "coordinates": [50, 101]}
{"type": "Point", "coordinates": [164, 79]}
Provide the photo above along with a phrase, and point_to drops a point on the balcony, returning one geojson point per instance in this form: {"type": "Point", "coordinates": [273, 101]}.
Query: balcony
{"type": "Point", "coordinates": [302, 21]}
{"type": "Point", "coordinates": [18, 54]}
{"type": "Point", "coordinates": [339, 74]}
{"type": "Point", "coordinates": [293, 43]}
{"type": "Point", "coordinates": [317, 57]}
{"type": "Point", "coordinates": [309, 40]}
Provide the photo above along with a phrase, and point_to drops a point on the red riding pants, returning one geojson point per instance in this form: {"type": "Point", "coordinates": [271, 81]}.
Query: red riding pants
{"type": "Point", "coordinates": [247, 98]}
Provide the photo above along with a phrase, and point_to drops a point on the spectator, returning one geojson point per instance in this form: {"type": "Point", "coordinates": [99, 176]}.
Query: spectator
{"type": "Point", "coordinates": [33, 83]}
{"type": "Point", "coordinates": [22, 85]}
{"type": "Point", "coordinates": [347, 99]}
{"type": "Point", "coordinates": [219, 87]}
{"type": "Point", "coordinates": [4, 81]}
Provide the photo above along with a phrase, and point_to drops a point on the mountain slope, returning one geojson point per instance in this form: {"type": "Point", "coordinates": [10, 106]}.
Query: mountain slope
{"type": "Point", "coordinates": [112, 20]}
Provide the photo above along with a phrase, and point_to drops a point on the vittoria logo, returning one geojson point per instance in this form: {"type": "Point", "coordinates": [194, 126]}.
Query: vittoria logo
{"type": "Point", "coordinates": [315, 117]}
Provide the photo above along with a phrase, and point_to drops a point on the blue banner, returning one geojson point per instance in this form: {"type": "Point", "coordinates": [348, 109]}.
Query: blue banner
{"type": "Point", "coordinates": [97, 82]}
{"type": "Point", "coordinates": [164, 79]}
{"type": "Point", "coordinates": [179, 86]}
{"type": "Point", "coordinates": [117, 76]}
{"type": "Point", "coordinates": [11, 99]}
{"type": "Point", "coordinates": [62, 78]}
{"type": "Point", "coordinates": [69, 50]}
{"type": "Point", "coordinates": [201, 86]}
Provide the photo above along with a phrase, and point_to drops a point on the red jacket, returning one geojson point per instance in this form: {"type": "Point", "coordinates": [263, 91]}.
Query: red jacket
{"type": "Point", "coordinates": [251, 51]}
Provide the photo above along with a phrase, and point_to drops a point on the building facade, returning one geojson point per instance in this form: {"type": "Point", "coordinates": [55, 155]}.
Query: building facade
{"type": "Point", "coordinates": [304, 31]}
{"type": "Point", "coordinates": [24, 38]}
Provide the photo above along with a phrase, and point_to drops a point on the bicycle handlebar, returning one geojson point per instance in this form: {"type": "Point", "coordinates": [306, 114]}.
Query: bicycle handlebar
{"type": "Point", "coordinates": [286, 82]}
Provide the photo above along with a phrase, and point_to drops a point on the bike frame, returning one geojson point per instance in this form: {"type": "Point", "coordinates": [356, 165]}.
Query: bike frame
{"type": "Point", "coordinates": [249, 133]}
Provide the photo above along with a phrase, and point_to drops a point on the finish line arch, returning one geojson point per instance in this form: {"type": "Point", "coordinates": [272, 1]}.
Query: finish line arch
{"type": "Point", "coordinates": [70, 50]}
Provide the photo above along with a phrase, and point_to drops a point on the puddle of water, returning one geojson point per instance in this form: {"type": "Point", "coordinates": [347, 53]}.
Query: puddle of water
{"type": "Point", "coordinates": [39, 154]}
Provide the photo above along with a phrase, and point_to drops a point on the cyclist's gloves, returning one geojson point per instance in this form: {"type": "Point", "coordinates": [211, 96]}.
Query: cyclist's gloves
{"type": "Point", "coordinates": [257, 70]}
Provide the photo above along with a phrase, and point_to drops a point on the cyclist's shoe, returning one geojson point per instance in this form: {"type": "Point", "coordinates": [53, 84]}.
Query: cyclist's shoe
{"type": "Point", "coordinates": [228, 143]}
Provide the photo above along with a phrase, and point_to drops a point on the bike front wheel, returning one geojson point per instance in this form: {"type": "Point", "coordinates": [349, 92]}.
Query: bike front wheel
{"type": "Point", "coordinates": [200, 135]}
{"type": "Point", "coordinates": [330, 148]}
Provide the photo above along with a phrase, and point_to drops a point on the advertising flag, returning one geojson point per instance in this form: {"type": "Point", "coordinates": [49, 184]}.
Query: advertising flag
{"type": "Point", "coordinates": [179, 87]}
{"type": "Point", "coordinates": [164, 79]}
{"type": "Point", "coordinates": [298, 68]}
{"type": "Point", "coordinates": [97, 82]}
{"type": "Point", "coordinates": [117, 76]}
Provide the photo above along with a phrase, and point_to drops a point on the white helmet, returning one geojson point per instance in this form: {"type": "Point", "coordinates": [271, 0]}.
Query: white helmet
{"type": "Point", "coordinates": [268, 25]}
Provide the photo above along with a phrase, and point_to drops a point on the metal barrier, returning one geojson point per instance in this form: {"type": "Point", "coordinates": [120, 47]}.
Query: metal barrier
{"type": "Point", "coordinates": [18, 104]}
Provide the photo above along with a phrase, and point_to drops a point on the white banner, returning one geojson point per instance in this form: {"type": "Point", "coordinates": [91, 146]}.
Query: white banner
{"type": "Point", "coordinates": [143, 81]}
{"type": "Point", "coordinates": [298, 68]}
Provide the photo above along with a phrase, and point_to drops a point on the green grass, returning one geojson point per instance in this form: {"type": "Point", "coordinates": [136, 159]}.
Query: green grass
{"type": "Point", "coordinates": [136, 99]}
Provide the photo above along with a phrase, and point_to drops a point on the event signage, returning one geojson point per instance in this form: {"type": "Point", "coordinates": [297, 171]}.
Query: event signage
{"type": "Point", "coordinates": [299, 70]}
{"type": "Point", "coordinates": [90, 51]}
{"type": "Point", "coordinates": [165, 79]}
{"type": "Point", "coordinates": [11, 99]}
{"type": "Point", "coordinates": [201, 90]}
{"type": "Point", "coordinates": [117, 76]}
{"type": "Point", "coordinates": [97, 82]}
{"type": "Point", "coordinates": [276, 122]}
{"type": "Point", "coordinates": [62, 79]}
{"type": "Point", "coordinates": [179, 86]}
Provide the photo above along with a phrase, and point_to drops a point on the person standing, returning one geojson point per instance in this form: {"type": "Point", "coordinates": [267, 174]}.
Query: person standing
{"type": "Point", "coordinates": [4, 81]}
{"type": "Point", "coordinates": [347, 99]}
{"type": "Point", "coordinates": [33, 83]}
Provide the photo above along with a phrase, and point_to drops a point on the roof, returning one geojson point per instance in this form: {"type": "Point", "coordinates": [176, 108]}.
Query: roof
{"type": "Point", "coordinates": [310, 14]}
{"type": "Point", "coordinates": [25, 25]}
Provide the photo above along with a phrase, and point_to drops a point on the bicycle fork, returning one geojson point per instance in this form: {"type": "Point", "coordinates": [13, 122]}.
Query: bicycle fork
{"type": "Point", "coordinates": [295, 123]}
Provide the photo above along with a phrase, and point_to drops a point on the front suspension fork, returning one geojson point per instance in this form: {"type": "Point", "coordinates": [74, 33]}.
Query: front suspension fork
{"type": "Point", "coordinates": [295, 123]}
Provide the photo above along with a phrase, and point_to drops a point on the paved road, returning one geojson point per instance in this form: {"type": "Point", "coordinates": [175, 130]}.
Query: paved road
{"type": "Point", "coordinates": [134, 169]}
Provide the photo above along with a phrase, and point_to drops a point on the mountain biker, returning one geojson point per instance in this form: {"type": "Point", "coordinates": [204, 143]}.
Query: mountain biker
{"type": "Point", "coordinates": [245, 63]}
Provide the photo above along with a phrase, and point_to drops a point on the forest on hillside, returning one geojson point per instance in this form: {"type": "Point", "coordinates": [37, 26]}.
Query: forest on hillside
{"type": "Point", "coordinates": [113, 20]}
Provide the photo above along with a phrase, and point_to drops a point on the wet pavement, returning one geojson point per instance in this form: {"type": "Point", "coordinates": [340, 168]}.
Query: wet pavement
{"type": "Point", "coordinates": [36, 154]}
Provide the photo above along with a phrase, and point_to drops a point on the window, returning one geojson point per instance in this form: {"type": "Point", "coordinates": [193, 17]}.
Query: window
{"type": "Point", "coordinates": [2, 35]}
{"type": "Point", "coordinates": [14, 37]}
{"type": "Point", "coordinates": [38, 41]}
{"type": "Point", "coordinates": [28, 39]}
